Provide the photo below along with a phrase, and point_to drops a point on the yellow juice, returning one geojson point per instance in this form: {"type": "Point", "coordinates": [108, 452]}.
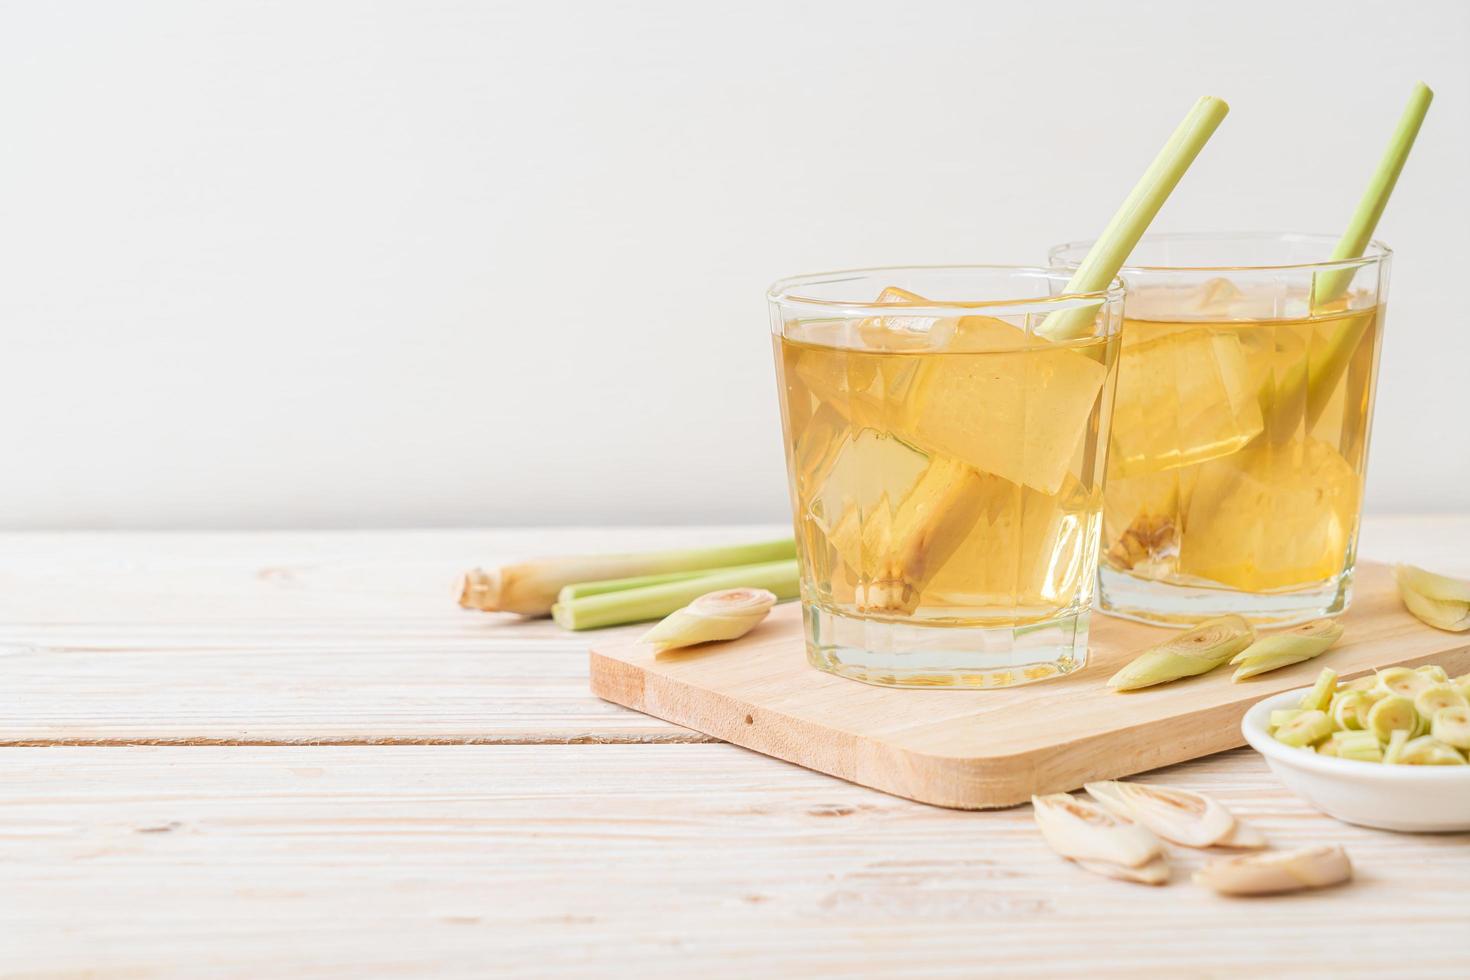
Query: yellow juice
{"type": "Point", "coordinates": [1238, 444]}
{"type": "Point", "coordinates": [945, 472]}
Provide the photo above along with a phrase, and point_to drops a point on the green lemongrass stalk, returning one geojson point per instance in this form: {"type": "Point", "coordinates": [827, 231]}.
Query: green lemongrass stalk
{"type": "Point", "coordinates": [724, 615]}
{"type": "Point", "coordinates": [1330, 285]}
{"type": "Point", "coordinates": [1118, 239]}
{"type": "Point", "coordinates": [530, 588]}
{"type": "Point", "coordinates": [580, 590]}
{"type": "Point", "coordinates": [657, 601]}
{"type": "Point", "coordinates": [1319, 374]}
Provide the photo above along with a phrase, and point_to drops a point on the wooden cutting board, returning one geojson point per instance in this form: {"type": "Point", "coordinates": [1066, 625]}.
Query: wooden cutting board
{"type": "Point", "coordinates": [983, 749]}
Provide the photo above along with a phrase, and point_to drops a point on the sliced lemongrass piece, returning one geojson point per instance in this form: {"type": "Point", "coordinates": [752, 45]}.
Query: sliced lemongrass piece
{"type": "Point", "coordinates": [1319, 698]}
{"type": "Point", "coordinates": [1243, 837]}
{"type": "Point", "coordinates": [531, 587]}
{"type": "Point", "coordinates": [1111, 250]}
{"type": "Point", "coordinates": [1365, 683]}
{"type": "Point", "coordinates": [1397, 739]}
{"type": "Point", "coordinates": [1362, 746]}
{"type": "Point", "coordinates": [1402, 681]}
{"type": "Point", "coordinates": [1281, 716]}
{"type": "Point", "coordinates": [725, 615]}
{"type": "Point", "coordinates": [1186, 654]}
{"type": "Point", "coordinates": [1178, 815]}
{"type": "Point", "coordinates": [1305, 729]}
{"type": "Point", "coordinates": [1436, 696]}
{"type": "Point", "coordinates": [1082, 830]}
{"type": "Point", "coordinates": [1438, 600]}
{"type": "Point", "coordinates": [1452, 727]}
{"type": "Point", "coordinates": [657, 601]}
{"type": "Point", "coordinates": [1155, 872]}
{"type": "Point", "coordinates": [1393, 712]}
{"type": "Point", "coordinates": [1427, 750]}
{"type": "Point", "coordinates": [1435, 672]}
{"type": "Point", "coordinates": [1349, 710]}
{"type": "Point", "coordinates": [1276, 872]}
{"type": "Point", "coordinates": [1286, 648]}
{"type": "Point", "coordinates": [1327, 747]}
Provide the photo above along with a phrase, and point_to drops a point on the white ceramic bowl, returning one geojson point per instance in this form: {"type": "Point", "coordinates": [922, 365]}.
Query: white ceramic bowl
{"type": "Point", "coordinates": [1370, 794]}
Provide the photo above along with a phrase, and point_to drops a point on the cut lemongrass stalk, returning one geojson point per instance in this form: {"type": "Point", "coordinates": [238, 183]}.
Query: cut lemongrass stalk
{"type": "Point", "coordinates": [1319, 698]}
{"type": "Point", "coordinates": [1277, 871]}
{"type": "Point", "coordinates": [725, 615]}
{"type": "Point", "coordinates": [1083, 830]}
{"type": "Point", "coordinates": [657, 601]}
{"type": "Point", "coordinates": [1118, 239]}
{"type": "Point", "coordinates": [1432, 699]}
{"type": "Point", "coordinates": [1192, 652]}
{"type": "Point", "coordinates": [1397, 739]}
{"type": "Point", "coordinates": [1393, 713]}
{"type": "Point", "coordinates": [530, 588]}
{"type": "Point", "coordinates": [1438, 600]}
{"type": "Point", "coordinates": [1403, 681]}
{"type": "Point", "coordinates": [581, 590]}
{"type": "Point", "coordinates": [1286, 648]}
{"type": "Point", "coordinates": [1305, 729]}
{"type": "Point", "coordinates": [1177, 815]}
{"type": "Point", "coordinates": [1452, 727]}
{"type": "Point", "coordinates": [1427, 750]}
{"type": "Point", "coordinates": [1330, 285]}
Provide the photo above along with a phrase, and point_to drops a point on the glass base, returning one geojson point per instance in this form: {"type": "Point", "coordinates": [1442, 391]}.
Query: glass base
{"type": "Point", "coordinates": [928, 655]}
{"type": "Point", "coordinates": [1166, 604]}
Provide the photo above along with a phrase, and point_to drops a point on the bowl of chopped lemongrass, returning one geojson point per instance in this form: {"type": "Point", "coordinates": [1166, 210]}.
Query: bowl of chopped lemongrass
{"type": "Point", "coordinates": [1388, 750]}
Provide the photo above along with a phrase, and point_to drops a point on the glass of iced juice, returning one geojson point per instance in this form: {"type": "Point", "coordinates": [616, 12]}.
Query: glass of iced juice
{"type": "Point", "coordinates": [1240, 431]}
{"type": "Point", "coordinates": [944, 442]}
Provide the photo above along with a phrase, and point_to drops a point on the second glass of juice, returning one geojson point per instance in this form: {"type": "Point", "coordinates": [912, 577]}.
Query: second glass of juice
{"type": "Point", "coordinates": [1240, 433]}
{"type": "Point", "coordinates": [945, 431]}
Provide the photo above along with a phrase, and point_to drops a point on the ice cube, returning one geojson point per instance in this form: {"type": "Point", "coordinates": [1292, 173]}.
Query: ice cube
{"type": "Point", "coordinates": [1271, 517]}
{"type": "Point", "coordinates": [1183, 397]}
{"type": "Point", "coordinates": [1019, 411]}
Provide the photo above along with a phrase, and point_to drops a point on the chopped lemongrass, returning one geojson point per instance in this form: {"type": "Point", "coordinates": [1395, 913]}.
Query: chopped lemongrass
{"type": "Point", "coordinates": [1402, 681]}
{"type": "Point", "coordinates": [530, 588]}
{"type": "Point", "coordinates": [1430, 700]}
{"type": "Point", "coordinates": [1281, 716]}
{"type": "Point", "coordinates": [1278, 871]}
{"type": "Point", "coordinates": [1365, 683]}
{"type": "Point", "coordinates": [1286, 648]}
{"type": "Point", "coordinates": [657, 601]}
{"type": "Point", "coordinates": [1155, 872]}
{"type": "Point", "coordinates": [1397, 739]}
{"type": "Point", "coordinates": [1178, 815]}
{"type": "Point", "coordinates": [1349, 710]}
{"type": "Point", "coordinates": [1305, 729]}
{"type": "Point", "coordinates": [725, 615]}
{"type": "Point", "coordinates": [1195, 651]}
{"type": "Point", "coordinates": [1429, 751]}
{"type": "Point", "coordinates": [1393, 712]}
{"type": "Point", "coordinates": [1452, 727]}
{"type": "Point", "coordinates": [1132, 219]}
{"type": "Point", "coordinates": [1362, 746]}
{"type": "Point", "coordinates": [1434, 672]}
{"type": "Point", "coordinates": [1082, 830]}
{"type": "Point", "coordinates": [1319, 698]}
{"type": "Point", "coordinates": [1438, 600]}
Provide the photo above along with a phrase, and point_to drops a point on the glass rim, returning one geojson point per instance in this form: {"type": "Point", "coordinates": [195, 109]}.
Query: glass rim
{"type": "Point", "coordinates": [1376, 252]}
{"type": "Point", "coordinates": [780, 291]}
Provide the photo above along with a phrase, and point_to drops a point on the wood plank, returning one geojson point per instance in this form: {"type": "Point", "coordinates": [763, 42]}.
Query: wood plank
{"type": "Point", "coordinates": [698, 860]}
{"type": "Point", "coordinates": [339, 637]}
{"type": "Point", "coordinates": [989, 748]}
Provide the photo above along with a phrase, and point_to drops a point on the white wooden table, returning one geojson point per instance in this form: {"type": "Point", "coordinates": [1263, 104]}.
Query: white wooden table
{"type": "Point", "coordinates": [292, 755]}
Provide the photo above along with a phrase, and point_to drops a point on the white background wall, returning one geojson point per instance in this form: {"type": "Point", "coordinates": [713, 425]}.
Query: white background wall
{"type": "Point", "coordinates": [311, 263]}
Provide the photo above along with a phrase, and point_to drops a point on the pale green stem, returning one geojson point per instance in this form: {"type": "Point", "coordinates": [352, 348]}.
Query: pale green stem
{"type": "Point", "coordinates": [1330, 285]}
{"type": "Point", "coordinates": [1118, 239]}
{"type": "Point", "coordinates": [657, 601]}
{"type": "Point", "coordinates": [583, 589]}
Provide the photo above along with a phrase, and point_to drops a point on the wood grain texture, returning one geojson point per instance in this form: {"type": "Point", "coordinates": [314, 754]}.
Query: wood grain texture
{"type": "Point", "coordinates": [990, 748]}
{"type": "Point", "coordinates": [688, 860]}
